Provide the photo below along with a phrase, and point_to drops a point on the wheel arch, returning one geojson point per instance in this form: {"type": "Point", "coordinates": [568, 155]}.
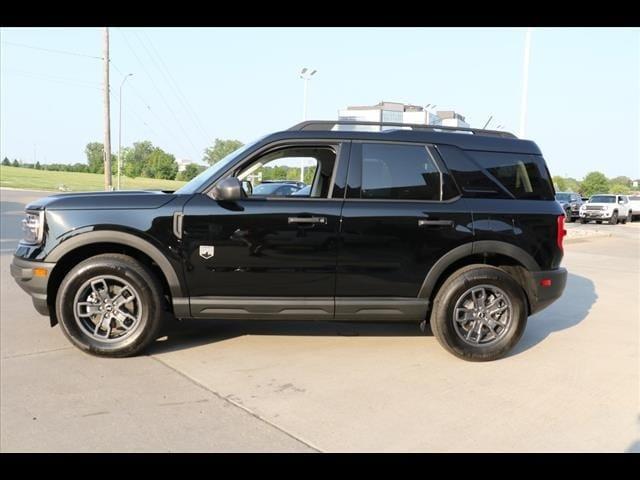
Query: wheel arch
{"type": "Point", "coordinates": [70, 252]}
{"type": "Point", "coordinates": [508, 257]}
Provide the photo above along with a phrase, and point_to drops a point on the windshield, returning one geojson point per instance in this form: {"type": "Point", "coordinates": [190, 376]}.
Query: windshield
{"type": "Point", "coordinates": [563, 197]}
{"type": "Point", "coordinates": [603, 199]}
{"type": "Point", "coordinates": [193, 185]}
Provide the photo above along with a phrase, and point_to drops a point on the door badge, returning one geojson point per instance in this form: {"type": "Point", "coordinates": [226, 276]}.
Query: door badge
{"type": "Point", "coordinates": [206, 251]}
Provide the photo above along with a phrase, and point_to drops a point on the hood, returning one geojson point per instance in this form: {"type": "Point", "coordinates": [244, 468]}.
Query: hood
{"type": "Point", "coordinates": [102, 200]}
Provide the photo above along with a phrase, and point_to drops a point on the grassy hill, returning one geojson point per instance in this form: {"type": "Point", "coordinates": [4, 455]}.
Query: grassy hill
{"type": "Point", "coordinates": [29, 178]}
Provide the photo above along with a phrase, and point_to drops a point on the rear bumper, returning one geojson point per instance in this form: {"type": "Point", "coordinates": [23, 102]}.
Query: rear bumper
{"type": "Point", "coordinates": [36, 286]}
{"type": "Point", "coordinates": [546, 295]}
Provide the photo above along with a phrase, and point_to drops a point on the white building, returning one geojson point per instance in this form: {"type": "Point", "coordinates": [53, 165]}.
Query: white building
{"type": "Point", "coordinates": [182, 164]}
{"type": "Point", "coordinates": [400, 113]}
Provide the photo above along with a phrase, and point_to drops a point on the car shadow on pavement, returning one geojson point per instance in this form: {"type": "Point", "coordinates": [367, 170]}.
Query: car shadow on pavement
{"type": "Point", "coordinates": [193, 333]}
{"type": "Point", "coordinates": [568, 311]}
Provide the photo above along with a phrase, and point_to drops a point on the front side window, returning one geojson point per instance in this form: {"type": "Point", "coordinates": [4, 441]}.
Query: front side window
{"type": "Point", "coordinates": [398, 172]}
{"type": "Point", "coordinates": [283, 171]}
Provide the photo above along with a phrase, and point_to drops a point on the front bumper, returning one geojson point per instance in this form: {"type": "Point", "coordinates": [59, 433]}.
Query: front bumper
{"type": "Point", "coordinates": [23, 273]}
{"type": "Point", "coordinates": [595, 215]}
{"type": "Point", "coordinates": [543, 296]}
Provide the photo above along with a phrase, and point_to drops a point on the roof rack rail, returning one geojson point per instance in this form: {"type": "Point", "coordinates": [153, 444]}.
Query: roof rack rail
{"type": "Point", "coordinates": [330, 124]}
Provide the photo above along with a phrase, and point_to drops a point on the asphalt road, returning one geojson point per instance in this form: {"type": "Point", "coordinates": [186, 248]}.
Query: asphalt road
{"type": "Point", "coordinates": [570, 385]}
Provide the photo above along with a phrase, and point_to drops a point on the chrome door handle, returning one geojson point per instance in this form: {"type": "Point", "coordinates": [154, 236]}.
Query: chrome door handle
{"type": "Point", "coordinates": [322, 220]}
{"type": "Point", "coordinates": [435, 223]}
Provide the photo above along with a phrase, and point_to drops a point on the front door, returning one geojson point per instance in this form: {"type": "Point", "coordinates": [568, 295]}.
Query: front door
{"type": "Point", "coordinates": [274, 252]}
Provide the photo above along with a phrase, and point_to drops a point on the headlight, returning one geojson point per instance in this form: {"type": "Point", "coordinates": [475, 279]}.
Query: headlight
{"type": "Point", "coordinates": [33, 227]}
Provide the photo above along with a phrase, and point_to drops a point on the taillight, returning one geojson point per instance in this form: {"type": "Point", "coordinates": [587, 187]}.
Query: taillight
{"type": "Point", "coordinates": [561, 232]}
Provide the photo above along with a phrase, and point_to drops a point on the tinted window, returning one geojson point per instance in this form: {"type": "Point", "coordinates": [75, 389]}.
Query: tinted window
{"type": "Point", "coordinates": [562, 197]}
{"type": "Point", "coordinates": [524, 176]}
{"type": "Point", "coordinates": [398, 172]}
{"type": "Point", "coordinates": [469, 176]}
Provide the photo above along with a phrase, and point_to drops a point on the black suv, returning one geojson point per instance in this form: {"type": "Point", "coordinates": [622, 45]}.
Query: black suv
{"type": "Point", "coordinates": [456, 227]}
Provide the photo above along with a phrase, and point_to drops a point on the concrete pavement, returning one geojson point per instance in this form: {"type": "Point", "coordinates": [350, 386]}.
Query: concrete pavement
{"type": "Point", "coordinates": [570, 385]}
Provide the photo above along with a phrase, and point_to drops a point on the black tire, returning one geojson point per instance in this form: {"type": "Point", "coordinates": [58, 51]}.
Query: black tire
{"type": "Point", "coordinates": [583, 221]}
{"type": "Point", "coordinates": [442, 315]}
{"type": "Point", "coordinates": [614, 219]}
{"type": "Point", "coordinates": [598, 222]}
{"type": "Point", "coordinates": [116, 267]}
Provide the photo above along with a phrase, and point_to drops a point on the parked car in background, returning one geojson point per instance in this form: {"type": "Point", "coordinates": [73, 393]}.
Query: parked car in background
{"type": "Point", "coordinates": [277, 188]}
{"type": "Point", "coordinates": [610, 208]}
{"type": "Point", "coordinates": [303, 192]}
{"type": "Point", "coordinates": [634, 203]}
{"type": "Point", "coordinates": [570, 203]}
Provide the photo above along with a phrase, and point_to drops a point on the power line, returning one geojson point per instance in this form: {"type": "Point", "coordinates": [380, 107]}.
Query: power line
{"type": "Point", "coordinates": [189, 109]}
{"type": "Point", "coordinates": [146, 104]}
{"type": "Point", "coordinates": [51, 50]}
{"type": "Point", "coordinates": [54, 79]}
{"type": "Point", "coordinates": [159, 92]}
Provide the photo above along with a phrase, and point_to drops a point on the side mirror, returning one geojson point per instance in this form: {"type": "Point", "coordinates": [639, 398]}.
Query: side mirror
{"type": "Point", "coordinates": [229, 189]}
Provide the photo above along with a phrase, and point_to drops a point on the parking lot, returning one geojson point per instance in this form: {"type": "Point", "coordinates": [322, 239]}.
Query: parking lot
{"type": "Point", "coordinates": [570, 385]}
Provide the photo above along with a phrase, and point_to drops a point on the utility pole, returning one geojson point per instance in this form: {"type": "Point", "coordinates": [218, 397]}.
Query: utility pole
{"type": "Point", "coordinates": [525, 83]}
{"type": "Point", "coordinates": [107, 115]}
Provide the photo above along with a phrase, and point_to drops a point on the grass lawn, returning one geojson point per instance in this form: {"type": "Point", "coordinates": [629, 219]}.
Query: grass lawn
{"type": "Point", "coordinates": [29, 178]}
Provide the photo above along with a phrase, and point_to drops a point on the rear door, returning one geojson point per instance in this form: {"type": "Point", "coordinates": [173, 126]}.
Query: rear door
{"type": "Point", "coordinates": [402, 212]}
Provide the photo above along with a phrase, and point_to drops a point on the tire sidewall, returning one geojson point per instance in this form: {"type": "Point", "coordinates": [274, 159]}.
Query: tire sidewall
{"type": "Point", "coordinates": [138, 277]}
{"type": "Point", "coordinates": [445, 304]}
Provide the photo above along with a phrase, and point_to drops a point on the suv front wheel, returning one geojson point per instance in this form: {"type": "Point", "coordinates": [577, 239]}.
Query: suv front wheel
{"type": "Point", "coordinates": [110, 305]}
{"type": "Point", "coordinates": [479, 313]}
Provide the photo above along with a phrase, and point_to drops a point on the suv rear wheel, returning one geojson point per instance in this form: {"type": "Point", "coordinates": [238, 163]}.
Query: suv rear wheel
{"type": "Point", "coordinates": [110, 305]}
{"type": "Point", "coordinates": [479, 313]}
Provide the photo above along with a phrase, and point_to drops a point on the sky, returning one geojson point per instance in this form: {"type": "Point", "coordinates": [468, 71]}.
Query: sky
{"type": "Point", "coordinates": [192, 85]}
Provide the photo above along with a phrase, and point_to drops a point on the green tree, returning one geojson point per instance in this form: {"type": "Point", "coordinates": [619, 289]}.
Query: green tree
{"type": "Point", "coordinates": [572, 184]}
{"type": "Point", "coordinates": [136, 158]}
{"type": "Point", "coordinates": [594, 182]}
{"type": "Point", "coordinates": [160, 165]}
{"type": "Point", "coordinates": [15, 162]}
{"type": "Point", "coordinates": [559, 183]}
{"type": "Point", "coordinates": [621, 180]}
{"type": "Point", "coordinates": [190, 171]}
{"type": "Point", "coordinates": [619, 188]}
{"type": "Point", "coordinates": [221, 148]}
{"type": "Point", "coordinates": [94, 152]}
{"type": "Point", "coordinates": [38, 167]}
{"type": "Point", "coordinates": [6, 161]}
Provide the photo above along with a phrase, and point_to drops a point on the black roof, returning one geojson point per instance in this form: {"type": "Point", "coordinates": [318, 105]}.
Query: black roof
{"type": "Point", "coordinates": [467, 139]}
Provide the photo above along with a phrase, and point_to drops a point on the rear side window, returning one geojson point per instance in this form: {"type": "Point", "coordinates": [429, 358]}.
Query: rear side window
{"type": "Point", "coordinates": [499, 174]}
{"type": "Point", "coordinates": [524, 176]}
{"type": "Point", "coordinates": [398, 172]}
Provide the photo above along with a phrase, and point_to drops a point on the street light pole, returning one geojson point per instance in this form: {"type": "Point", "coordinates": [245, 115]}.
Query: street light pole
{"type": "Point", "coordinates": [525, 83]}
{"type": "Point", "coordinates": [305, 74]}
{"type": "Point", "coordinates": [120, 129]}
